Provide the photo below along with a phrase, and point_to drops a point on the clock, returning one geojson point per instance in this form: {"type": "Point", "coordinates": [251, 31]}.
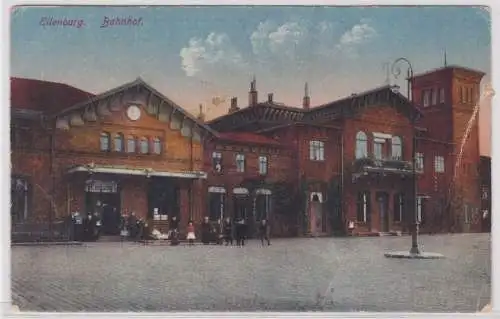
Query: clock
{"type": "Point", "coordinates": [133, 112]}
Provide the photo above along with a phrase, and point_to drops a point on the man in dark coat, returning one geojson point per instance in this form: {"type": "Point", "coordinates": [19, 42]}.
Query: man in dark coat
{"type": "Point", "coordinates": [205, 231]}
{"type": "Point", "coordinates": [240, 230]}
{"type": "Point", "coordinates": [228, 231]}
{"type": "Point", "coordinates": [132, 225]}
{"type": "Point", "coordinates": [89, 226]}
{"type": "Point", "coordinates": [174, 231]}
{"type": "Point", "coordinates": [264, 232]}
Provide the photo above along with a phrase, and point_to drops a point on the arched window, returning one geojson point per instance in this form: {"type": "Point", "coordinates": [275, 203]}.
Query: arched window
{"type": "Point", "coordinates": [131, 147]}
{"type": "Point", "coordinates": [397, 148]}
{"type": "Point", "coordinates": [144, 145]}
{"type": "Point", "coordinates": [105, 142]}
{"type": "Point", "coordinates": [119, 142]}
{"type": "Point", "coordinates": [157, 145]}
{"type": "Point", "coordinates": [361, 145]}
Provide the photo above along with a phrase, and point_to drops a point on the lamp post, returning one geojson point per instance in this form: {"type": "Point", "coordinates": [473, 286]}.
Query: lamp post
{"type": "Point", "coordinates": [396, 71]}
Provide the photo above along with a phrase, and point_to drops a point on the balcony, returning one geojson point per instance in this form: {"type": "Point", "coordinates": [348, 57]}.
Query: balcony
{"type": "Point", "coordinates": [363, 166]}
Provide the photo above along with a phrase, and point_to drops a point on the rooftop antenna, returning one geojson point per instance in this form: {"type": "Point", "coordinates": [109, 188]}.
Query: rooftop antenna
{"type": "Point", "coordinates": [445, 62]}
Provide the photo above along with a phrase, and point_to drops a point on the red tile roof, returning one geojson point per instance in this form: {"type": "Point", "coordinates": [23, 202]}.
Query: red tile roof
{"type": "Point", "coordinates": [247, 138]}
{"type": "Point", "coordinates": [44, 96]}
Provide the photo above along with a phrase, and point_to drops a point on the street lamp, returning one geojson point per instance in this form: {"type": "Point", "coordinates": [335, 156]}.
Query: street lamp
{"type": "Point", "coordinates": [396, 71]}
{"type": "Point", "coordinates": [414, 250]}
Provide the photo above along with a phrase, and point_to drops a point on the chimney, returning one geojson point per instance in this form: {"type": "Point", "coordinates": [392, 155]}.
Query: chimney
{"type": "Point", "coordinates": [252, 95]}
{"type": "Point", "coordinates": [201, 115]}
{"type": "Point", "coordinates": [270, 98]}
{"type": "Point", "coordinates": [234, 105]}
{"type": "Point", "coordinates": [306, 101]}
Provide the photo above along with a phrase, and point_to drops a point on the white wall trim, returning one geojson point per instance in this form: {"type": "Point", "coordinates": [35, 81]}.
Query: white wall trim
{"type": "Point", "coordinates": [240, 191]}
{"type": "Point", "coordinates": [263, 191]}
{"type": "Point", "coordinates": [217, 189]}
{"type": "Point", "coordinates": [384, 136]}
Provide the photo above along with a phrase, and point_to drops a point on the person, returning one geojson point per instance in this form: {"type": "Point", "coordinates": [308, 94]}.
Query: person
{"type": "Point", "coordinates": [78, 227]}
{"type": "Point", "coordinates": [228, 231]}
{"type": "Point", "coordinates": [190, 233]}
{"type": "Point", "coordinates": [205, 231]}
{"type": "Point", "coordinates": [264, 231]}
{"type": "Point", "coordinates": [88, 227]}
{"type": "Point", "coordinates": [174, 231]}
{"type": "Point", "coordinates": [240, 232]}
{"type": "Point", "coordinates": [132, 225]}
{"type": "Point", "coordinates": [97, 226]}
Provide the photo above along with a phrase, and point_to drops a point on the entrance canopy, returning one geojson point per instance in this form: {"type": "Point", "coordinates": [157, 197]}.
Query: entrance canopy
{"type": "Point", "coordinates": [147, 172]}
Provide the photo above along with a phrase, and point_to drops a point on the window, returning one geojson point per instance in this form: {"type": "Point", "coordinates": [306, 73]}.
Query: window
{"type": "Point", "coordinates": [240, 163]}
{"type": "Point", "coordinates": [461, 94]}
{"type": "Point", "coordinates": [441, 95]}
{"type": "Point", "coordinates": [361, 145]}
{"type": "Point", "coordinates": [144, 145]}
{"type": "Point", "coordinates": [363, 207]}
{"type": "Point", "coordinates": [263, 165]}
{"type": "Point", "coordinates": [131, 147]}
{"type": "Point", "coordinates": [217, 161]}
{"type": "Point", "coordinates": [467, 213]}
{"type": "Point", "coordinates": [119, 142]}
{"type": "Point", "coordinates": [398, 207]}
{"type": "Point", "coordinates": [378, 147]}
{"type": "Point", "coordinates": [105, 142]}
{"type": "Point", "coordinates": [434, 96]}
{"type": "Point", "coordinates": [156, 145]}
{"type": "Point", "coordinates": [426, 98]}
{"type": "Point", "coordinates": [439, 164]}
{"type": "Point", "coordinates": [471, 94]}
{"type": "Point", "coordinates": [317, 150]}
{"type": "Point", "coordinates": [419, 162]}
{"type": "Point", "coordinates": [397, 148]}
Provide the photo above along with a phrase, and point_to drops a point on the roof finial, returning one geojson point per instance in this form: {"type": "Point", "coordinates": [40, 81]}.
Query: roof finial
{"type": "Point", "coordinates": [445, 62]}
{"type": "Point", "coordinates": [253, 84]}
{"type": "Point", "coordinates": [306, 89]}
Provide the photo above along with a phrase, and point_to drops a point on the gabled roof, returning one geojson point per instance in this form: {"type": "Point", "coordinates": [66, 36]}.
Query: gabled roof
{"type": "Point", "coordinates": [43, 96]}
{"type": "Point", "coordinates": [269, 112]}
{"type": "Point", "coordinates": [350, 105]}
{"type": "Point", "coordinates": [137, 82]}
{"type": "Point", "coordinates": [248, 138]}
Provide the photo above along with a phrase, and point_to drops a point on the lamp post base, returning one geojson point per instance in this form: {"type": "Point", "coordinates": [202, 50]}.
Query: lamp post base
{"type": "Point", "coordinates": [410, 255]}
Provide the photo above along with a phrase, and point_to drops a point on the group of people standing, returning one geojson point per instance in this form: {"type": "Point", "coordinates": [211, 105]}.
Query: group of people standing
{"type": "Point", "coordinates": [85, 228]}
{"type": "Point", "coordinates": [228, 231]}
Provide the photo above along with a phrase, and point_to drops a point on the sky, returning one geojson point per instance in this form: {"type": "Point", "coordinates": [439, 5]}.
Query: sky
{"type": "Point", "coordinates": [206, 55]}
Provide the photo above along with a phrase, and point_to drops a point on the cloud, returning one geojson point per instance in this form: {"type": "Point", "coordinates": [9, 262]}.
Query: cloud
{"type": "Point", "coordinates": [285, 40]}
{"type": "Point", "coordinates": [216, 51]}
{"type": "Point", "coordinates": [358, 34]}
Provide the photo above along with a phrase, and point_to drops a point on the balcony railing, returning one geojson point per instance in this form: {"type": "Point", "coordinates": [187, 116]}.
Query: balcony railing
{"type": "Point", "coordinates": [385, 165]}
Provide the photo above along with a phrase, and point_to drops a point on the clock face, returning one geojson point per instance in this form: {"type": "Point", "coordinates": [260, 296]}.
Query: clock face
{"type": "Point", "coordinates": [133, 112]}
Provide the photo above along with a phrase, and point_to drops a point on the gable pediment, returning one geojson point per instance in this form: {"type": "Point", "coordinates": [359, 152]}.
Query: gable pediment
{"type": "Point", "coordinates": [149, 101]}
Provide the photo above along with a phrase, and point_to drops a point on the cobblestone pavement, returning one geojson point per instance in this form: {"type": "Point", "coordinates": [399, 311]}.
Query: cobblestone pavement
{"type": "Point", "coordinates": [332, 274]}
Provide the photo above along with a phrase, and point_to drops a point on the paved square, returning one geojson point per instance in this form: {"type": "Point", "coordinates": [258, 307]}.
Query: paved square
{"type": "Point", "coordinates": [331, 274]}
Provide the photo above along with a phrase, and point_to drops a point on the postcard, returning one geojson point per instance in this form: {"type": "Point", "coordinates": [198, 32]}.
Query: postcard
{"type": "Point", "coordinates": [250, 158]}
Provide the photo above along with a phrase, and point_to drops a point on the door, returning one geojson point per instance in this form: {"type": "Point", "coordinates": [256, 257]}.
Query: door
{"type": "Point", "coordinates": [164, 194]}
{"type": "Point", "coordinates": [240, 206]}
{"type": "Point", "coordinates": [383, 199]}
{"type": "Point", "coordinates": [316, 214]}
{"type": "Point", "coordinates": [216, 206]}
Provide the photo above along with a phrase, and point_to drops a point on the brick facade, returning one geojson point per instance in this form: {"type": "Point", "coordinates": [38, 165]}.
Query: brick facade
{"type": "Point", "coordinates": [312, 152]}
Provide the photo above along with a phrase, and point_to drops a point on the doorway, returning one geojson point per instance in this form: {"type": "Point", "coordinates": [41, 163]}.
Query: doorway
{"type": "Point", "coordinates": [216, 199]}
{"type": "Point", "coordinates": [164, 195]}
{"type": "Point", "coordinates": [317, 224]}
{"type": "Point", "coordinates": [383, 199]}
{"type": "Point", "coordinates": [240, 202]}
{"type": "Point", "coordinates": [103, 198]}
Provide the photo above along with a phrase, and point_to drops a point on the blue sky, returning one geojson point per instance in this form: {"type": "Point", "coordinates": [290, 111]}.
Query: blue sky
{"type": "Point", "coordinates": [192, 54]}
